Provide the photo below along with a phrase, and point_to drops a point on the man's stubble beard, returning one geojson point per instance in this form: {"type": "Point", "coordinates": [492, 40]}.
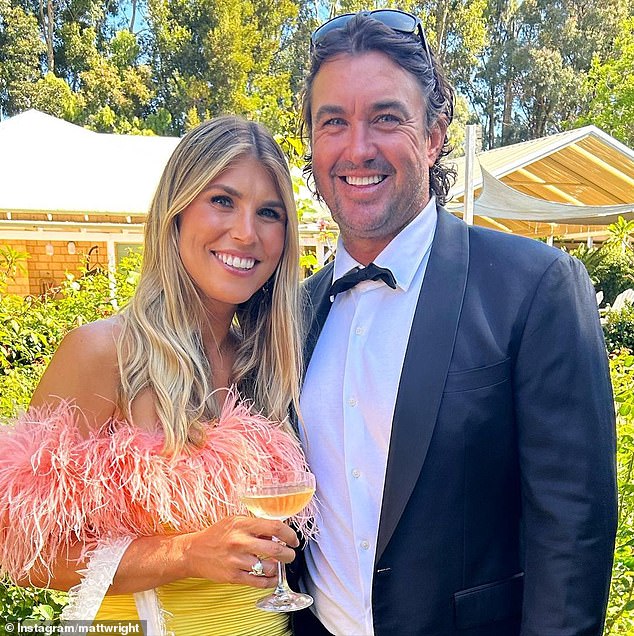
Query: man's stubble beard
{"type": "Point", "coordinates": [393, 219]}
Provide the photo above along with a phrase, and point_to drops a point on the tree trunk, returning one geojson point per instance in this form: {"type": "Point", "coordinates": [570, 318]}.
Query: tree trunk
{"type": "Point", "coordinates": [133, 16]}
{"type": "Point", "coordinates": [441, 32]}
{"type": "Point", "coordinates": [507, 112]}
{"type": "Point", "coordinates": [491, 117]}
{"type": "Point", "coordinates": [47, 28]}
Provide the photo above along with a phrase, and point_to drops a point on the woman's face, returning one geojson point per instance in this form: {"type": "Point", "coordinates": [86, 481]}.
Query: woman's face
{"type": "Point", "coordinates": [231, 236]}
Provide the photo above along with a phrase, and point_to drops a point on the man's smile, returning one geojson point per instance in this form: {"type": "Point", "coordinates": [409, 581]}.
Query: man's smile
{"type": "Point", "coordinates": [364, 181]}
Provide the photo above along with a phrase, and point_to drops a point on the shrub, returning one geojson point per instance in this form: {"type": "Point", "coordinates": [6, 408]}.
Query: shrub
{"type": "Point", "coordinates": [611, 266]}
{"type": "Point", "coordinates": [613, 274]}
{"type": "Point", "coordinates": [618, 328]}
{"type": "Point", "coordinates": [20, 604]}
{"type": "Point", "coordinates": [16, 388]}
{"type": "Point", "coordinates": [620, 616]}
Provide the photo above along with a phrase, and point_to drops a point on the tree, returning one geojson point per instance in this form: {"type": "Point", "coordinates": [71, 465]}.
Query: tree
{"type": "Point", "coordinates": [559, 39]}
{"type": "Point", "coordinates": [115, 88]}
{"type": "Point", "coordinates": [219, 57]}
{"type": "Point", "coordinates": [21, 51]}
{"type": "Point", "coordinates": [527, 67]}
{"type": "Point", "coordinates": [491, 92]}
{"type": "Point", "coordinates": [68, 59]}
{"type": "Point", "coordinates": [295, 43]}
{"type": "Point", "coordinates": [531, 77]}
{"type": "Point", "coordinates": [610, 86]}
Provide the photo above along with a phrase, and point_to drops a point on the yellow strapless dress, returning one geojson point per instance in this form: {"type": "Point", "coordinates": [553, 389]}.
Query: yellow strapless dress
{"type": "Point", "coordinates": [197, 607]}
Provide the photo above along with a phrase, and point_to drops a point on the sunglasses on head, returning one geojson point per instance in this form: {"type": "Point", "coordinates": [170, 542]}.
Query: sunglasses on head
{"type": "Point", "coordinates": [397, 21]}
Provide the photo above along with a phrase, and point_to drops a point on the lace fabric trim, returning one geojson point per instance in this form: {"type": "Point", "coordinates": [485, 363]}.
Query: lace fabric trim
{"type": "Point", "coordinates": [86, 597]}
{"type": "Point", "coordinates": [149, 609]}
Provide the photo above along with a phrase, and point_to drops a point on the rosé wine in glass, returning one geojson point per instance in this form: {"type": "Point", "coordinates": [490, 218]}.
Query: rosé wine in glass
{"type": "Point", "coordinates": [280, 496]}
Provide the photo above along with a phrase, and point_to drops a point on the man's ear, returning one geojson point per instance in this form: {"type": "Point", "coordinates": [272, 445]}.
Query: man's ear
{"type": "Point", "coordinates": [436, 140]}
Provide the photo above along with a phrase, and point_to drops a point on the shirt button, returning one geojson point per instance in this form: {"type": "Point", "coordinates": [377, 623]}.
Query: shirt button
{"type": "Point", "coordinates": [365, 545]}
{"type": "Point", "coordinates": [352, 401]}
{"type": "Point", "coordinates": [356, 473]}
{"type": "Point", "coordinates": [359, 331]}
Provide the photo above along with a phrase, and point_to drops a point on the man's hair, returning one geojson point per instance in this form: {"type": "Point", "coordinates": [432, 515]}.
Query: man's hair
{"type": "Point", "coordinates": [161, 342]}
{"type": "Point", "coordinates": [363, 34]}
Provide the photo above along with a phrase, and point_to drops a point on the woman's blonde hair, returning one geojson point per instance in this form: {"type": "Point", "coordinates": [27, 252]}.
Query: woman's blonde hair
{"type": "Point", "coordinates": [161, 346]}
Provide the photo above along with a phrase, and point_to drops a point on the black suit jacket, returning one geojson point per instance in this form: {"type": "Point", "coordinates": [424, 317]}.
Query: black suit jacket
{"type": "Point", "coordinates": [499, 508]}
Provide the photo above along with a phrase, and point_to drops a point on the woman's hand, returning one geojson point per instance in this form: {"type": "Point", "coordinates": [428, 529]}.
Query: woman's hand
{"type": "Point", "coordinates": [226, 551]}
{"type": "Point", "coordinates": [223, 553]}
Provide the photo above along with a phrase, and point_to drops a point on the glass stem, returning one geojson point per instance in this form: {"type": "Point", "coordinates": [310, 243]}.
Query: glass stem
{"type": "Point", "coordinates": [281, 589]}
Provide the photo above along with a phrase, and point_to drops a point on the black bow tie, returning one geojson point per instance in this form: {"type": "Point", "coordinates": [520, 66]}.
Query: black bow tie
{"type": "Point", "coordinates": [358, 274]}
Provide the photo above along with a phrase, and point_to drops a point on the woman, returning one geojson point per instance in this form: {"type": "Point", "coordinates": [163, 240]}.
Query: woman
{"type": "Point", "coordinates": [129, 457]}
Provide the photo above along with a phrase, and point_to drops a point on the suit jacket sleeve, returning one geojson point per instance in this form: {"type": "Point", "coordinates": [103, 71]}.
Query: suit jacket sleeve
{"type": "Point", "coordinates": [566, 437]}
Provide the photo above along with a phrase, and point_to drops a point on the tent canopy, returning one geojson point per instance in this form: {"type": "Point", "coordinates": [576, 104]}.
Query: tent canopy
{"type": "Point", "coordinates": [50, 165]}
{"type": "Point", "coordinates": [555, 185]}
{"type": "Point", "coordinates": [499, 200]}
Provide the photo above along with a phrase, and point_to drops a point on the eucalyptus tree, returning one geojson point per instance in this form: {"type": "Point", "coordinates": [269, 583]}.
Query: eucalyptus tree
{"type": "Point", "coordinates": [560, 39]}
{"type": "Point", "coordinates": [610, 89]}
{"type": "Point", "coordinates": [532, 73]}
{"type": "Point", "coordinates": [210, 57]}
{"type": "Point", "coordinates": [21, 51]}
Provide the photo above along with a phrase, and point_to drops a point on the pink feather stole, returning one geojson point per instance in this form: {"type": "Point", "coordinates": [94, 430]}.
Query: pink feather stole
{"type": "Point", "coordinates": [57, 487]}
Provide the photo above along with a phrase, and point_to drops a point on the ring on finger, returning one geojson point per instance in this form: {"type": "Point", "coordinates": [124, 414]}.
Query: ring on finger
{"type": "Point", "coordinates": [257, 569]}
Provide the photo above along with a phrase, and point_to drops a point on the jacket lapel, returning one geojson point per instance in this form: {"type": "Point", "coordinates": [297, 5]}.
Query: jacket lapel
{"type": "Point", "coordinates": [425, 368]}
{"type": "Point", "coordinates": [318, 299]}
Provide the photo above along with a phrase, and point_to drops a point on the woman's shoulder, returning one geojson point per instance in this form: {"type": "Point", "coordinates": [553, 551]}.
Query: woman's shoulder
{"type": "Point", "coordinates": [84, 371]}
{"type": "Point", "coordinates": [93, 340]}
{"type": "Point", "coordinates": [90, 348]}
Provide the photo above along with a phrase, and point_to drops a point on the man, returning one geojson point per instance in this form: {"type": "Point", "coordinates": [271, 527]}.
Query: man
{"type": "Point", "coordinates": [458, 413]}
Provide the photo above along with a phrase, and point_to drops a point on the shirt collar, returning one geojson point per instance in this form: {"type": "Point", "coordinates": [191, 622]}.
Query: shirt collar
{"type": "Point", "coordinates": [403, 254]}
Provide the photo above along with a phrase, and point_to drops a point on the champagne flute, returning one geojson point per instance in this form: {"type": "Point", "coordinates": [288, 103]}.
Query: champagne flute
{"type": "Point", "coordinates": [280, 496]}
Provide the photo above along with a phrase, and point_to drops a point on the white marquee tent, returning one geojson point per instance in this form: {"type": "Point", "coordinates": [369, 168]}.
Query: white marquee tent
{"type": "Point", "coordinates": [564, 184]}
{"type": "Point", "coordinates": [47, 164]}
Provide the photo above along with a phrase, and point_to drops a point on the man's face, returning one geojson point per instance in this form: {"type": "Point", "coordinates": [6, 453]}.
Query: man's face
{"type": "Point", "coordinates": [371, 155]}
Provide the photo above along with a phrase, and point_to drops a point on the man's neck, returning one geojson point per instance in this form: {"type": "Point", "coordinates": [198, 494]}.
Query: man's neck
{"type": "Point", "coordinates": [364, 251]}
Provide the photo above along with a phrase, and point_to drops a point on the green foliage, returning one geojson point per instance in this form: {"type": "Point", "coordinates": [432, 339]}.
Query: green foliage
{"type": "Point", "coordinates": [20, 51]}
{"type": "Point", "coordinates": [611, 266]}
{"type": "Point", "coordinates": [27, 332]}
{"type": "Point", "coordinates": [533, 69]}
{"type": "Point", "coordinates": [527, 67]}
{"type": "Point", "coordinates": [52, 95]}
{"type": "Point", "coordinates": [613, 273]}
{"type": "Point", "coordinates": [19, 604]}
{"type": "Point", "coordinates": [457, 130]}
{"type": "Point", "coordinates": [16, 387]}
{"type": "Point", "coordinates": [11, 263]}
{"type": "Point", "coordinates": [31, 328]}
{"type": "Point", "coordinates": [309, 262]}
{"type": "Point", "coordinates": [618, 329]}
{"type": "Point", "coordinates": [127, 276]}
{"type": "Point", "coordinates": [620, 616]}
{"type": "Point", "coordinates": [220, 57]}
{"type": "Point", "coordinates": [610, 85]}
{"type": "Point", "coordinates": [591, 257]}
{"type": "Point", "coordinates": [458, 35]}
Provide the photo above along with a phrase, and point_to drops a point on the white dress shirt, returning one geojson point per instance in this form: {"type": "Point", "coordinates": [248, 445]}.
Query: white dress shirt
{"type": "Point", "coordinates": [347, 403]}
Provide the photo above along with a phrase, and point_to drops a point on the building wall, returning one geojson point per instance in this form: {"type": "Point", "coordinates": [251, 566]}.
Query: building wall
{"type": "Point", "coordinates": [44, 271]}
